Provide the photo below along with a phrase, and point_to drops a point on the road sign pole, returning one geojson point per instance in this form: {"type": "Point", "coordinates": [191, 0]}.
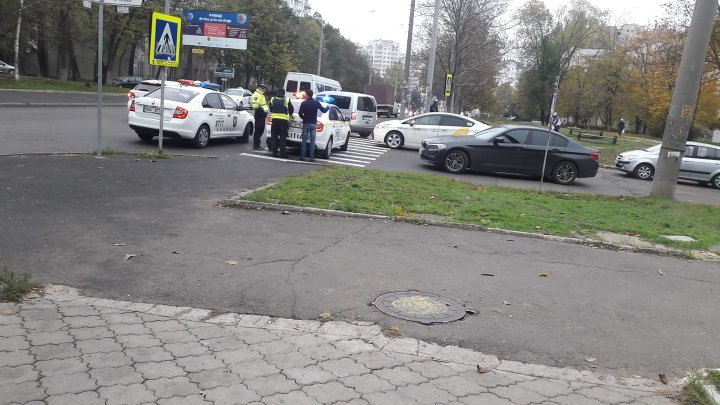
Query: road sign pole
{"type": "Point", "coordinates": [101, 10]}
{"type": "Point", "coordinates": [163, 74]}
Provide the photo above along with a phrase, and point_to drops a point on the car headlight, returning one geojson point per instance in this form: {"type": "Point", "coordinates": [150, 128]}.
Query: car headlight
{"type": "Point", "coordinates": [438, 146]}
{"type": "Point", "coordinates": [628, 157]}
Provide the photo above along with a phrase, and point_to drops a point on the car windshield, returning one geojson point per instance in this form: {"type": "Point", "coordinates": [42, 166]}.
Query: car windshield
{"type": "Point", "coordinates": [233, 92]}
{"type": "Point", "coordinates": [175, 94]}
{"type": "Point", "coordinates": [653, 149]}
{"type": "Point", "coordinates": [489, 133]}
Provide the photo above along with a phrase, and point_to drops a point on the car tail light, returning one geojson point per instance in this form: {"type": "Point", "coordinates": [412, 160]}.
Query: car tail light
{"type": "Point", "coordinates": [268, 120]}
{"type": "Point", "coordinates": [132, 105]}
{"type": "Point", "coordinates": [180, 113]}
{"type": "Point", "coordinates": [320, 127]}
{"type": "Point", "coordinates": [595, 155]}
{"type": "Point", "coordinates": [131, 94]}
{"type": "Point", "coordinates": [353, 116]}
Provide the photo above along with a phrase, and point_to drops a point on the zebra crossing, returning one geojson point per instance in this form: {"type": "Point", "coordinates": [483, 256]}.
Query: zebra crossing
{"type": "Point", "coordinates": [360, 153]}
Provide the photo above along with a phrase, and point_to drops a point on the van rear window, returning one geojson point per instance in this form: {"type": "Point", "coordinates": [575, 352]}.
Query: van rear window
{"type": "Point", "coordinates": [291, 86]}
{"type": "Point", "coordinates": [366, 104]}
{"type": "Point", "coordinates": [342, 102]}
{"type": "Point", "coordinates": [307, 86]}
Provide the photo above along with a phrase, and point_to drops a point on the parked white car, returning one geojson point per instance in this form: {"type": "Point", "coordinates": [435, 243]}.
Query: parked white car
{"type": "Point", "coordinates": [191, 113]}
{"type": "Point", "coordinates": [5, 68]}
{"type": "Point", "coordinates": [410, 132]}
{"type": "Point", "coordinates": [333, 130]}
{"type": "Point", "coordinates": [241, 96]}
{"type": "Point", "coordinates": [701, 163]}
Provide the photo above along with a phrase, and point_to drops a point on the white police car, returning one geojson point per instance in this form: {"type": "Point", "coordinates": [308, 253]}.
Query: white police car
{"type": "Point", "coordinates": [333, 130]}
{"type": "Point", "coordinates": [191, 113]}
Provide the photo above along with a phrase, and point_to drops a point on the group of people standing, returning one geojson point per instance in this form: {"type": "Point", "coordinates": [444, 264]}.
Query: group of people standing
{"type": "Point", "coordinates": [281, 111]}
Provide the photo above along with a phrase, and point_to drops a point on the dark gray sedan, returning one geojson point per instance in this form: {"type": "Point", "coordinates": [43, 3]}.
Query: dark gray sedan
{"type": "Point", "coordinates": [513, 149]}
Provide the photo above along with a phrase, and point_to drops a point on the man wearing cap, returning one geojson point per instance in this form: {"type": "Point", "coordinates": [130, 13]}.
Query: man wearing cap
{"type": "Point", "coordinates": [281, 111]}
{"type": "Point", "coordinates": [260, 105]}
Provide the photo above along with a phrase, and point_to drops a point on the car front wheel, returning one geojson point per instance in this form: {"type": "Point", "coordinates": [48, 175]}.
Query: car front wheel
{"type": "Point", "coordinates": [394, 140]}
{"type": "Point", "coordinates": [715, 182]}
{"type": "Point", "coordinates": [456, 162]}
{"type": "Point", "coordinates": [644, 171]}
{"type": "Point", "coordinates": [202, 137]}
{"type": "Point", "coordinates": [564, 173]}
{"type": "Point", "coordinates": [246, 133]}
{"type": "Point", "coordinates": [345, 145]}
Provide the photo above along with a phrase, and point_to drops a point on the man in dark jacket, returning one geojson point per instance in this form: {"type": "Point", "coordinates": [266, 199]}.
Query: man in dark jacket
{"type": "Point", "coordinates": [281, 111]}
{"type": "Point", "coordinates": [309, 112]}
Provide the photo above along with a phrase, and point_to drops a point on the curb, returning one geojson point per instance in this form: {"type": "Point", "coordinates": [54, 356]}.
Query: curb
{"type": "Point", "coordinates": [367, 332]}
{"type": "Point", "coordinates": [239, 202]}
{"type": "Point", "coordinates": [92, 154]}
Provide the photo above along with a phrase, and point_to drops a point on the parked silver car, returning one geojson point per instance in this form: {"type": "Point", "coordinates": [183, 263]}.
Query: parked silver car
{"type": "Point", "coordinates": [5, 68]}
{"type": "Point", "coordinates": [700, 163]}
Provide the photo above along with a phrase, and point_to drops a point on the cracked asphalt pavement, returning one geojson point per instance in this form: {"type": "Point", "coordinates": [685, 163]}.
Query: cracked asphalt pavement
{"type": "Point", "coordinates": [65, 348]}
{"type": "Point", "coordinates": [63, 217]}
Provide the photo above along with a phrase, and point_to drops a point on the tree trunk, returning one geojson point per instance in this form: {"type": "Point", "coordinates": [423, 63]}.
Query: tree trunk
{"type": "Point", "coordinates": [42, 45]}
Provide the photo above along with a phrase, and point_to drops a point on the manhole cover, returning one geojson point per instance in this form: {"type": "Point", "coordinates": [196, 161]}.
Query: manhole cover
{"type": "Point", "coordinates": [422, 307]}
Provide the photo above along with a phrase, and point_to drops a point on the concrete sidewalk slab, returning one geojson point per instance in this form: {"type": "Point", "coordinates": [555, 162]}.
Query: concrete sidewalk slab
{"type": "Point", "coordinates": [67, 348]}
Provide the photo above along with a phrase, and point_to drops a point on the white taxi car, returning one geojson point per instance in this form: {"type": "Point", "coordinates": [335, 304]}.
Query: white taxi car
{"type": "Point", "coordinates": [191, 113]}
{"type": "Point", "coordinates": [410, 132]}
{"type": "Point", "coordinates": [333, 130]}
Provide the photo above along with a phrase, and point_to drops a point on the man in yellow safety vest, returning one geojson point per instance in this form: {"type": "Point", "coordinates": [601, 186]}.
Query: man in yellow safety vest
{"type": "Point", "coordinates": [281, 111]}
{"type": "Point", "coordinates": [260, 105]}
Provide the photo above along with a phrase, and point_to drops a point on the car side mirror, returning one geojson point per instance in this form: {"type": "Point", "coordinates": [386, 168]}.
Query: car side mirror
{"type": "Point", "coordinates": [497, 141]}
{"type": "Point", "coordinates": [240, 108]}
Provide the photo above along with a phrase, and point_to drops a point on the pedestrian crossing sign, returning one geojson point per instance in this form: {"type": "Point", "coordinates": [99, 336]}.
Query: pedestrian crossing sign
{"type": "Point", "coordinates": [165, 40]}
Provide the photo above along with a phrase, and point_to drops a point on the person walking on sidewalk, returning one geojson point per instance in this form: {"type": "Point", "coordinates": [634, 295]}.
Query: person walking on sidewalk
{"type": "Point", "coordinates": [259, 104]}
{"type": "Point", "coordinates": [281, 111]}
{"type": "Point", "coordinates": [555, 121]}
{"type": "Point", "coordinates": [621, 127]}
{"type": "Point", "coordinates": [309, 112]}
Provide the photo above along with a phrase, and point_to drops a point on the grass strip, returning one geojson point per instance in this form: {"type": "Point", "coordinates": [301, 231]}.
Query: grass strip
{"type": "Point", "coordinates": [693, 393]}
{"type": "Point", "coordinates": [428, 196]}
{"type": "Point", "coordinates": [35, 83]}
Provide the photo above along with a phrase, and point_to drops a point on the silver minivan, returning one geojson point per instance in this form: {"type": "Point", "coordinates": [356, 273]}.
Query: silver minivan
{"type": "Point", "coordinates": [701, 163]}
{"type": "Point", "coordinates": [361, 108]}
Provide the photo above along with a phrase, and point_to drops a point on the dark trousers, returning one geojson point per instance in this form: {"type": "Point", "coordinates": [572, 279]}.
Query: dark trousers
{"type": "Point", "coordinates": [259, 128]}
{"type": "Point", "coordinates": [278, 134]}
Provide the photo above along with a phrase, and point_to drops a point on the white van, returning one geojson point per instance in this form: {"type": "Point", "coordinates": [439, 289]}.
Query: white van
{"type": "Point", "coordinates": [361, 108]}
{"type": "Point", "coordinates": [295, 82]}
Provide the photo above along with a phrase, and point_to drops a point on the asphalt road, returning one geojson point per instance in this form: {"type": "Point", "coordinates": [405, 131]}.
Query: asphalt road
{"type": "Point", "coordinates": [73, 130]}
{"type": "Point", "coordinates": [61, 217]}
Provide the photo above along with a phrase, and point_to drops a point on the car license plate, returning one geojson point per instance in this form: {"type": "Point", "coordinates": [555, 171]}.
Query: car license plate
{"type": "Point", "coordinates": [294, 135]}
{"type": "Point", "coordinates": [151, 109]}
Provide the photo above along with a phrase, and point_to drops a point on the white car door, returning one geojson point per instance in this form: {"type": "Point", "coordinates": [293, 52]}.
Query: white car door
{"type": "Point", "coordinates": [424, 126]}
{"type": "Point", "coordinates": [451, 125]}
{"type": "Point", "coordinates": [212, 104]}
{"type": "Point", "coordinates": [233, 125]}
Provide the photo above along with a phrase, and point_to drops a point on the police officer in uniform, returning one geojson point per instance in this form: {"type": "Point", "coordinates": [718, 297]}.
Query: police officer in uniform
{"type": "Point", "coordinates": [260, 105]}
{"type": "Point", "coordinates": [281, 111]}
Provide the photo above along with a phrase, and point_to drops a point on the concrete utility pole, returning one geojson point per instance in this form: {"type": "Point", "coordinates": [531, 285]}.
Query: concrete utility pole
{"type": "Point", "coordinates": [408, 53]}
{"type": "Point", "coordinates": [101, 11]}
{"type": "Point", "coordinates": [322, 36]}
{"type": "Point", "coordinates": [433, 51]}
{"type": "Point", "coordinates": [684, 100]}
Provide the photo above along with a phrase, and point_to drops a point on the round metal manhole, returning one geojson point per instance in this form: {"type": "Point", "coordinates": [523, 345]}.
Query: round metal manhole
{"type": "Point", "coordinates": [417, 306]}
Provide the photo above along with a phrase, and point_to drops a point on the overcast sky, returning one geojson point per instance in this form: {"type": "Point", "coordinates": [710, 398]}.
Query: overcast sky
{"type": "Point", "coordinates": [365, 20]}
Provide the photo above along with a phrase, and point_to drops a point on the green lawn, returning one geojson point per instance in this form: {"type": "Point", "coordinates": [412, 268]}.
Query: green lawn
{"type": "Point", "coordinates": [437, 197]}
{"type": "Point", "coordinates": [33, 83]}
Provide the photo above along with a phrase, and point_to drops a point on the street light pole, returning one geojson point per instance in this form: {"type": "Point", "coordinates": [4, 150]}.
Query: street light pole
{"type": "Point", "coordinates": [433, 50]}
{"type": "Point", "coordinates": [408, 52]}
{"type": "Point", "coordinates": [684, 100]}
{"type": "Point", "coordinates": [322, 36]}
